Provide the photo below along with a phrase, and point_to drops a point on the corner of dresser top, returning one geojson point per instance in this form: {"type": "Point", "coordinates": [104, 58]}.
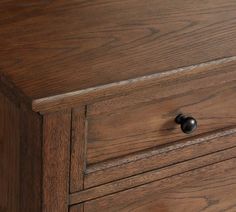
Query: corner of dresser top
{"type": "Point", "coordinates": [14, 93]}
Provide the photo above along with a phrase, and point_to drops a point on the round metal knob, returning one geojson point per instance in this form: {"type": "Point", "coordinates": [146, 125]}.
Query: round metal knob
{"type": "Point", "coordinates": [188, 124]}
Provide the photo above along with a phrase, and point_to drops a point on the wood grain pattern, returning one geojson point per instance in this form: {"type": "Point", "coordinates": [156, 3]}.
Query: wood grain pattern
{"type": "Point", "coordinates": [117, 73]}
{"type": "Point", "coordinates": [9, 155]}
{"type": "Point", "coordinates": [56, 151]}
{"type": "Point", "coordinates": [20, 157]}
{"type": "Point", "coordinates": [120, 40]}
{"type": "Point", "coordinates": [30, 161]}
{"type": "Point", "coordinates": [9, 90]}
{"type": "Point", "coordinates": [78, 149]}
{"type": "Point", "coordinates": [147, 177]}
{"type": "Point", "coordinates": [158, 157]}
{"type": "Point", "coordinates": [145, 118]}
{"type": "Point", "coordinates": [208, 188]}
{"type": "Point", "coordinates": [77, 208]}
{"type": "Point", "coordinates": [103, 92]}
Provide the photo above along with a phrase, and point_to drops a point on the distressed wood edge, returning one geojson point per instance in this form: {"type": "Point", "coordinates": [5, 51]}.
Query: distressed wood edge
{"type": "Point", "coordinates": [159, 158]}
{"type": "Point", "coordinates": [160, 150]}
{"type": "Point", "coordinates": [207, 172]}
{"type": "Point", "coordinates": [98, 93]}
{"type": "Point", "coordinates": [151, 176]}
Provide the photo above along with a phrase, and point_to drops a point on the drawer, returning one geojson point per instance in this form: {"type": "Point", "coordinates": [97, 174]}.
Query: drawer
{"type": "Point", "coordinates": [210, 188]}
{"type": "Point", "coordinates": [146, 118]}
{"type": "Point", "coordinates": [135, 132]}
{"type": "Point", "coordinates": [191, 162]}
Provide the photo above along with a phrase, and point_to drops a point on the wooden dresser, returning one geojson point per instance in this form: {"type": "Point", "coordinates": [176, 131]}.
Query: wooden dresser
{"type": "Point", "coordinates": [110, 105]}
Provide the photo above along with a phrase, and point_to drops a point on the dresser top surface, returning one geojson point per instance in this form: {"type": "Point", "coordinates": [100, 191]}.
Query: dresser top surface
{"type": "Point", "coordinates": [50, 48]}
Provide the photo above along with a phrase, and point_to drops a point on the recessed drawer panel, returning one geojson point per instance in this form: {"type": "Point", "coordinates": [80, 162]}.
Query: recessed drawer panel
{"type": "Point", "coordinates": [187, 159]}
{"type": "Point", "coordinates": [210, 188]}
{"type": "Point", "coordinates": [146, 118]}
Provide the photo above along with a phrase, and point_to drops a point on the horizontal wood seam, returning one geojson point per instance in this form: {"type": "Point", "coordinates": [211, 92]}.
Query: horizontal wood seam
{"type": "Point", "coordinates": [158, 150]}
{"type": "Point", "coordinates": [165, 166]}
{"type": "Point", "coordinates": [220, 161]}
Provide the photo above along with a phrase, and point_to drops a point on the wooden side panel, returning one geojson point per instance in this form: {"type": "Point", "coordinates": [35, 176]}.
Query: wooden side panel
{"type": "Point", "coordinates": [78, 149]}
{"type": "Point", "coordinates": [20, 157]}
{"type": "Point", "coordinates": [56, 151]}
{"type": "Point", "coordinates": [9, 155]}
{"type": "Point", "coordinates": [211, 188]}
{"type": "Point", "coordinates": [145, 118]}
{"type": "Point", "coordinates": [31, 161]}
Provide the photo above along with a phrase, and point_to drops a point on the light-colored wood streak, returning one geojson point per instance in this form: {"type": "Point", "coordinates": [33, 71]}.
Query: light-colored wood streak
{"type": "Point", "coordinates": [158, 157]}
{"type": "Point", "coordinates": [210, 188]}
{"type": "Point", "coordinates": [55, 47]}
{"type": "Point", "coordinates": [145, 118]}
{"type": "Point", "coordinates": [150, 176]}
{"type": "Point", "coordinates": [94, 94]}
{"type": "Point", "coordinates": [162, 149]}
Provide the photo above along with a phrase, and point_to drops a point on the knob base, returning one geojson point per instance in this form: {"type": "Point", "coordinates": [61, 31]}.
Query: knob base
{"type": "Point", "coordinates": [180, 118]}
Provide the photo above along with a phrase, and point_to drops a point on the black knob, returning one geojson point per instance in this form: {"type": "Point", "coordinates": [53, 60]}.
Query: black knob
{"type": "Point", "coordinates": [188, 124]}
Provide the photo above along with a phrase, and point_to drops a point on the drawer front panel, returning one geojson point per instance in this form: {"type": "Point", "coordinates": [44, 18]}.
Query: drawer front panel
{"type": "Point", "coordinates": [145, 119]}
{"type": "Point", "coordinates": [154, 174]}
{"type": "Point", "coordinates": [210, 188]}
{"type": "Point", "coordinates": [159, 157]}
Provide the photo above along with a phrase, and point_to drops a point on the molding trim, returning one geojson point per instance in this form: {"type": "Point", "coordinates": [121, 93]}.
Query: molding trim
{"type": "Point", "coordinates": [94, 94]}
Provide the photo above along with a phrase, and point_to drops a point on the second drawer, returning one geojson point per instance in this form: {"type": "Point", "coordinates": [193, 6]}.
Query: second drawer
{"type": "Point", "coordinates": [136, 131]}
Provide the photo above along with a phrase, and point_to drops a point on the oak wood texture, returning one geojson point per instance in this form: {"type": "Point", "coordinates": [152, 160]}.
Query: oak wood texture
{"type": "Point", "coordinates": [158, 157]}
{"type": "Point", "coordinates": [20, 156]}
{"type": "Point", "coordinates": [77, 208]}
{"type": "Point", "coordinates": [98, 93]}
{"type": "Point", "coordinates": [147, 177]}
{"type": "Point", "coordinates": [78, 149]}
{"type": "Point", "coordinates": [210, 188]}
{"type": "Point", "coordinates": [56, 151]}
{"type": "Point", "coordinates": [145, 118]}
{"type": "Point", "coordinates": [31, 160]}
{"type": "Point", "coordinates": [9, 155]}
{"type": "Point", "coordinates": [35, 156]}
{"type": "Point", "coordinates": [12, 92]}
{"type": "Point", "coordinates": [108, 78]}
{"type": "Point", "coordinates": [102, 42]}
